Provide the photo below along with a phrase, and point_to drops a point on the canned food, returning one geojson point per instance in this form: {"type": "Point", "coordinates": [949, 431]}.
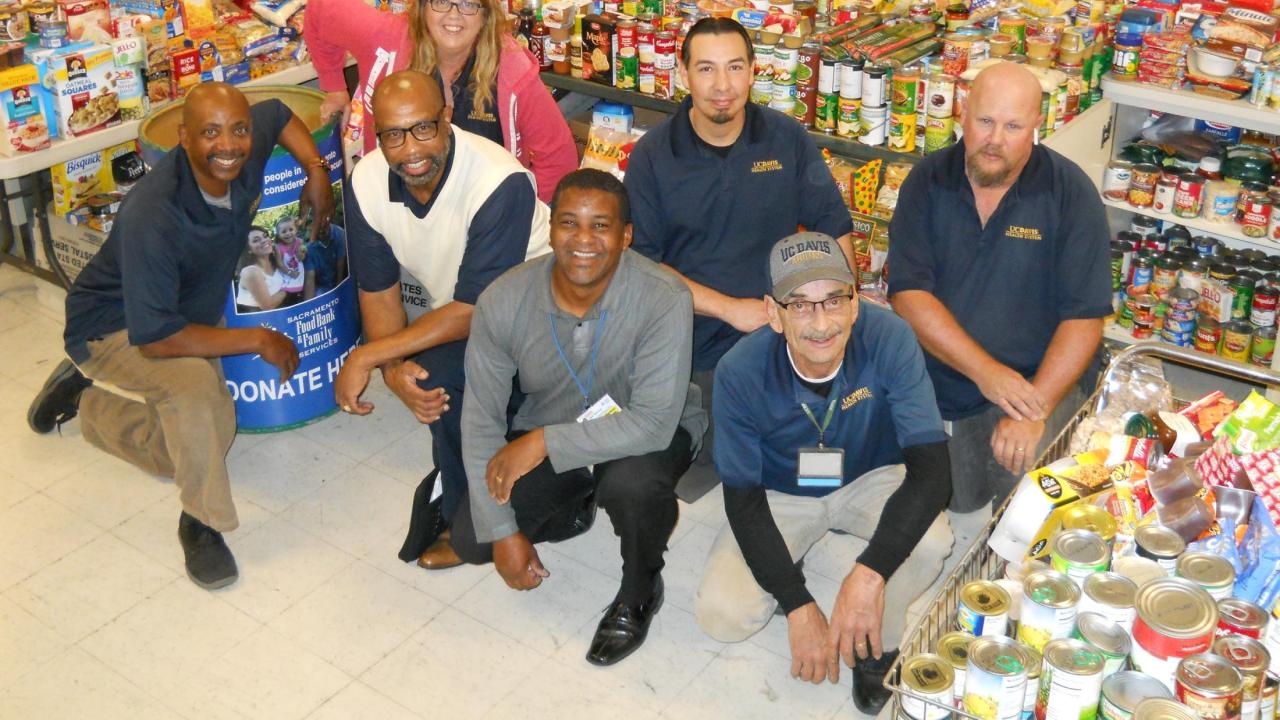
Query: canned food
{"type": "Point", "coordinates": [873, 87]}
{"type": "Point", "coordinates": [1267, 705]}
{"type": "Point", "coordinates": [902, 131]}
{"type": "Point", "coordinates": [1111, 596]}
{"type": "Point", "coordinates": [983, 609]}
{"type": "Point", "coordinates": [1142, 185]}
{"type": "Point", "coordinates": [1163, 709]}
{"type": "Point", "coordinates": [926, 679]}
{"type": "Point", "coordinates": [1034, 665]}
{"type": "Point", "coordinates": [995, 679]}
{"type": "Point", "coordinates": [1262, 312]}
{"type": "Point", "coordinates": [1209, 686]}
{"type": "Point", "coordinates": [1263, 347]}
{"type": "Point", "coordinates": [1166, 189]}
{"type": "Point", "coordinates": [1105, 636]}
{"type": "Point", "coordinates": [1079, 554]}
{"type": "Point", "coordinates": [1070, 681]}
{"type": "Point", "coordinates": [1251, 659]}
{"type": "Point", "coordinates": [1237, 340]}
{"type": "Point", "coordinates": [1048, 608]}
{"type": "Point", "coordinates": [1242, 288]}
{"type": "Point", "coordinates": [1156, 542]}
{"type": "Point", "coordinates": [905, 86]}
{"type": "Point", "coordinates": [954, 648]}
{"type": "Point", "coordinates": [1253, 213]}
{"type": "Point", "coordinates": [1141, 225]}
{"type": "Point", "coordinates": [1123, 691]}
{"type": "Point", "coordinates": [1189, 198]}
{"type": "Point", "coordinates": [1212, 572]}
{"type": "Point", "coordinates": [1092, 518]}
{"type": "Point", "coordinates": [1176, 619]}
{"type": "Point", "coordinates": [1116, 180]}
{"type": "Point", "coordinates": [1241, 617]}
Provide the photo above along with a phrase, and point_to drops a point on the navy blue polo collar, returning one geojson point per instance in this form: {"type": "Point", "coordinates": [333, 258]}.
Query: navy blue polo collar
{"type": "Point", "coordinates": [783, 375]}
{"type": "Point", "coordinates": [189, 195]}
{"type": "Point", "coordinates": [684, 142]}
{"type": "Point", "coordinates": [1034, 174]}
{"type": "Point", "coordinates": [398, 193]}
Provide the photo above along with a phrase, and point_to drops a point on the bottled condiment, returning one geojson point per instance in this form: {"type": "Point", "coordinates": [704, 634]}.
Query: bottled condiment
{"type": "Point", "coordinates": [538, 37]}
{"type": "Point", "coordinates": [1210, 167]}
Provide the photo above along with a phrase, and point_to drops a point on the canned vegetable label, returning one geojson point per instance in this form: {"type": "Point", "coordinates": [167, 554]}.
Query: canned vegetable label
{"type": "Point", "coordinates": [1070, 682]}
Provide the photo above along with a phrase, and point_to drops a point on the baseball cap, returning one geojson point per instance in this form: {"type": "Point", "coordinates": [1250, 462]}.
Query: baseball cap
{"type": "Point", "coordinates": [804, 257]}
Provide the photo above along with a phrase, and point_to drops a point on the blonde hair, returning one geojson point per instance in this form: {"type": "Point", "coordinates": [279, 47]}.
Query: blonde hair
{"type": "Point", "coordinates": [488, 48]}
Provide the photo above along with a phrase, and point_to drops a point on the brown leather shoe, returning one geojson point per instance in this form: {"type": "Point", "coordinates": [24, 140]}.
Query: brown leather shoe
{"type": "Point", "coordinates": [440, 555]}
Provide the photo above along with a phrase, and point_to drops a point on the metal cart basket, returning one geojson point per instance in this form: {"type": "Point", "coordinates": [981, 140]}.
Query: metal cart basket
{"type": "Point", "coordinates": [980, 562]}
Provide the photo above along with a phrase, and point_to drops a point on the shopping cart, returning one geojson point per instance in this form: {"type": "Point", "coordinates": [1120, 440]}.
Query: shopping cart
{"type": "Point", "coordinates": [981, 563]}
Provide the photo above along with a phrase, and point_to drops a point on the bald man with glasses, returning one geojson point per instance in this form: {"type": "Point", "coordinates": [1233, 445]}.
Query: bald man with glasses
{"type": "Point", "coordinates": [455, 211]}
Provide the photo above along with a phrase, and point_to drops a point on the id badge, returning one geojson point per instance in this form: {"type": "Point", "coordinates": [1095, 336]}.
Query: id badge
{"type": "Point", "coordinates": [820, 467]}
{"type": "Point", "coordinates": [603, 407]}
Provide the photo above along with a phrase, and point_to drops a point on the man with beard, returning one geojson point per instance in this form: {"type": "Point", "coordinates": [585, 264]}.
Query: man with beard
{"type": "Point", "coordinates": [143, 317]}
{"type": "Point", "coordinates": [827, 421]}
{"type": "Point", "coordinates": [713, 187]}
{"type": "Point", "coordinates": [1000, 263]}
{"type": "Point", "coordinates": [599, 336]}
{"type": "Point", "coordinates": [455, 210]}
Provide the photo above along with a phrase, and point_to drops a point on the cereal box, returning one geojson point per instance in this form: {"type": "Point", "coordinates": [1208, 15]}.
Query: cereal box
{"type": "Point", "coordinates": [76, 181]}
{"type": "Point", "coordinates": [598, 48]}
{"type": "Point", "coordinates": [24, 123]}
{"type": "Point", "coordinates": [84, 89]}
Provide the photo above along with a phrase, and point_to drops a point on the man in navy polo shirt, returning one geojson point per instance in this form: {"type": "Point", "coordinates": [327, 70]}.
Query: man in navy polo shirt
{"type": "Point", "coordinates": [714, 186]}
{"type": "Point", "coordinates": [1001, 266]}
{"type": "Point", "coordinates": [827, 421]}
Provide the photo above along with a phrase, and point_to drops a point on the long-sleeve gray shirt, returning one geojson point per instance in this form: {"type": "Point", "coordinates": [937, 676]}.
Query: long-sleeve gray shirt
{"type": "Point", "coordinates": [645, 324]}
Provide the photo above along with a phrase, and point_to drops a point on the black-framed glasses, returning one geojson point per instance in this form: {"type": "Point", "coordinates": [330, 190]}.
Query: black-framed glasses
{"type": "Point", "coordinates": [466, 7]}
{"type": "Point", "coordinates": [421, 131]}
{"type": "Point", "coordinates": [835, 303]}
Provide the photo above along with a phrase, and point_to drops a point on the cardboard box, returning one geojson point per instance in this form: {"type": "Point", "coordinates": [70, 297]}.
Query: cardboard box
{"type": "Point", "coordinates": [83, 82]}
{"type": "Point", "coordinates": [599, 45]}
{"type": "Point", "coordinates": [74, 245]}
{"type": "Point", "coordinates": [76, 181]}
{"type": "Point", "coordinates": [87, 20]}
{"type": "Point", "coordinates": [24, 113]}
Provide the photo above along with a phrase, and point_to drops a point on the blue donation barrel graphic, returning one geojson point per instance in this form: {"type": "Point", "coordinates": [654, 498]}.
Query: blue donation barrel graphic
{"type": "Point", "coordinates": [284, 281]}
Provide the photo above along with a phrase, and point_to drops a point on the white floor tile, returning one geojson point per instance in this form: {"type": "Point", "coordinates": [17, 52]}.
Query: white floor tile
{"type": "Point", "coordinates": [686, 562]}
{"type": "Point", "coordinates": [90, 587]}
{"type": "Point", "coordinates": [283, 468]}
{"type": "Point", "coordinates": [407, 458]}
{"type": "Point", "coordinates": [443, 585]}
{"type": "Point", "coordinates": [76, 685]}
{"type": "Point", "coordinates": [14, 313]}
{"type": "Point", "coordinates": [32, 350]}
{"type": "Point", "coordinates": [42, 460]}
{"type": "Point", "coordinates": [358, 701]}
{"type": "Point", "coordinates": [359, 437]}
{"type": "Point", "coordinates": [12, 491]}
{"type": "Point", "coordinates": [27, 643]}
{"type": "Point", "coordinates": [353, 511]}
{"type": "Point", "coordinates": [154, 530]}
{"type": "Point", "coordinates": [357, 617]}
{"type": "Point", "coordinates": [833, 556]}
{"type": "Point", "coordinates": [708, 510]}
{"type": "Point", "coordinates": [35, 533]}
{"type": "Point", "coordinates": [744, 683]}
{"type": "Point", "coordinates": [280, 564]}
{"type": "Point", "coordinates": [556, 691]}
{"type": "Point", "coordinates": [455, 667]}
{"type": "Point", "coordinates": [110, 491]}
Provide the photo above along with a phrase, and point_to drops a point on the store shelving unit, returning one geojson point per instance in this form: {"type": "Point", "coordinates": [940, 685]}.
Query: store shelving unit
{"type": "Point", "coordinates": [1226, 231]}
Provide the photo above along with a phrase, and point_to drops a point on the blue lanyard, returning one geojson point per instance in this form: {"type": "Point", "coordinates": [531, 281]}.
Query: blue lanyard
{"type": "Point", "coordinates": [595, 347]}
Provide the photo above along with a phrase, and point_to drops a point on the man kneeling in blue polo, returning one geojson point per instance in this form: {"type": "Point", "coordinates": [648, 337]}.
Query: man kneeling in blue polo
{"type": "Point", "coordinates": [826, 421]}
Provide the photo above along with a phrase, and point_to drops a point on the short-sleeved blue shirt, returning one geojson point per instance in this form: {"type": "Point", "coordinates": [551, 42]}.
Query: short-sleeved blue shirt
{"type": "Point", "coordinates": [170, 256]}
{"type": "Point", "coordinates": [1041, 259]}
{"type": "Point", "coordinates": [715, 219]}
{"type": "Point", "coordinates": [885, 403]}
{"type": "Point", "coordinates": [324, 260]}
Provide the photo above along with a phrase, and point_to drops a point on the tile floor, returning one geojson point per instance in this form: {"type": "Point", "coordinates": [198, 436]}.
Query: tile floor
{"type": "Point", "coordinates": [97, 618]}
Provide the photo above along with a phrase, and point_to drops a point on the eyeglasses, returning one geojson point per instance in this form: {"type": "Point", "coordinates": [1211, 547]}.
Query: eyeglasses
{"type": "Point", "coordinates": [804, 308]}
{"type": "Point", "coordinates": [421, 131]}
{"type": "Point", "coordinates": [466, 7]}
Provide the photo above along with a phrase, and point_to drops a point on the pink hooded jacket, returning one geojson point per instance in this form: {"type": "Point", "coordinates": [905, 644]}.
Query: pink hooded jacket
{"type": "Point", "coordinates": [533, 128]}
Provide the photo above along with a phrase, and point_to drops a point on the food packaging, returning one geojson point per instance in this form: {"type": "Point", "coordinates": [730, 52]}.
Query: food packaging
{"type": "Point", "coordinates": [85, 96]}
{"type": "Point", "coordinates": [1176, 482]}
{"type": "Point", "coordinates": [1189, 517]}
{"type": "Point", "coordinates": [25, 121]}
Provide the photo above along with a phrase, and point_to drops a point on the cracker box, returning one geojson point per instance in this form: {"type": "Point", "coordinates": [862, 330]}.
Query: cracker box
{"type": "Point", "coordinates": [76, 181]}
{"type": "Point", "coordinates": [598, 47]}
{"type": "Point", "coordinates": [84, 89]}
{"type": "Point", "coordinates": [25, 123]}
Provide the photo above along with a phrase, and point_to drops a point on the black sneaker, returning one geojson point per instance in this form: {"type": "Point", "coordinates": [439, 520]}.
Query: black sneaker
{"type": "Point", "coordinates": [209, 561]}
{"type": "Point", "coordinates": [59, 400]}
{"type": "Point", "coordinates": [869, 692]}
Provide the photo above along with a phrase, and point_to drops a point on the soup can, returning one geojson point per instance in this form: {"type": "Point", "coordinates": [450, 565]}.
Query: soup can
{"type": "Point", "coordinates": [1210, 686]}
{"type": "Point", "coordinates": [1070, 681]}
{"type": "Point", "coordinates": [1110, 595]}
{"type": "Point", "coordinates": [926, 679]}
{"type": "Point", "coordinates": [1163, 709]}
{"type": "Point", "coordinates": [995, 679]}
{"type": "Point", "coordinates": [1262, 313]}
{"type": "Point", "coordinates": [1122, 692]}
{"type": "Point", "coordinates": [1176, 619]}
{"type": "Point", "coordinates": [954, 648]}
{"type": "Point", "coordinates": [1079, 553]}
{"type": "Point", "coordinates": [1212, 572]}
{"type": "Point", "coordinates": [983, 609]}
{"type": "Point", "coordinates": [1241, 617]}
{"type": "Point", "coordinates": [1108, 638]}
{"type": "Point", "coordinates": [1188, 200]}
{"type": "Point", "coordinates": [1048, 608]}
{"type": "Point", "coordinates": [1251, 659]}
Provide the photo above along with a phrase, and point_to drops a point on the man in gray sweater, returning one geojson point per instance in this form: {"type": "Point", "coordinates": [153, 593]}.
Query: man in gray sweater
{"type": "Point", "coordinates": [598, 339]}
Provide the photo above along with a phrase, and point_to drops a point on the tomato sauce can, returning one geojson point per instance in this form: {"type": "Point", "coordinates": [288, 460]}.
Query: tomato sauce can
{"type": "Point", "coordinates": [1165, 194]}
{"type": "Point", "coordinates": [1241, 617]}
{"type": "Point", "coordinates": [1070, 681]}
{"type": "Point", "coordinates": [995, 679]}
{"type": "Point", "coordinates": [1079, 553]}
{"type": "Point", "coordinates": [926, 680]}
{"type": "Point", "coordinates": [1210, 686]}
{"type": "Point", "coordinates": [983, 609]}
{"type": "Point", "coordinates": [1176, 619]}
{"type": "Point", "coordinates": [1250, 658]}
{"type": "Point", "coordinates": [1108, 638]}
{"type": "Point", "coordinates": [1123, 691]}
{"type": "Point", "coordinates": [954, 648]}
{"type": "Point", "coordinates": [1048, 608]}
{"type": "Point", "coordinates": [1110, 595]}
{"type": "Point", "coordinates": [1262, 313]}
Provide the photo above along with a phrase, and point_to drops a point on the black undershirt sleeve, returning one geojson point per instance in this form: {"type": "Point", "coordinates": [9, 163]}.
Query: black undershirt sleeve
{"type": "Point", "coordinates": [911, 509]}
{"type": "Point", "coordinates": [763, 547]}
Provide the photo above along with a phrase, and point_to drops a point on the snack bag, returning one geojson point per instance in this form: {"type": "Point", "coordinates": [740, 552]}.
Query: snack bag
{"type": "Point", "coordinates": [865, 181]}
{"type": "Point", "coordinates": [608, 149]}
{"type": "Point", "coordinates": [1254, 426]}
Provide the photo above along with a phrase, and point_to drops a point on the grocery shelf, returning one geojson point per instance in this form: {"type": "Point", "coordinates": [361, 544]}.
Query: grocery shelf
{"type": "Point", "coordinates": [1228, 231]}
{"type": "Point", "coordinates": [837, 145]}
{"type": "Point", "coordinates": [1188, 103]}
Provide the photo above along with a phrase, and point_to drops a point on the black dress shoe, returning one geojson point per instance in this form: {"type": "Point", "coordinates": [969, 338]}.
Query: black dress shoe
{"type": "Point", "coordinates": [869, 693]}
{"type": "Point", "coordinates": [623, 628]}
{"type": "Point", "coordinates": [59, 400]}
{"type": "Point", "coordinates": [426, 520]}
{"type": "Point", "coordinates": [209, 561]}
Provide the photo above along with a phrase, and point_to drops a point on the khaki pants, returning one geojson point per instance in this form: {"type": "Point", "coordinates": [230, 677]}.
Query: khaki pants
{"type": "Point", "coordinates": [183, 430]}
{"type": "Point", "coordinates": [731, 606]}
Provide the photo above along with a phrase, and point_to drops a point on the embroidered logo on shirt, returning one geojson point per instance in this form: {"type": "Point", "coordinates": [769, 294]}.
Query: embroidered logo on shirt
{"type": "Point", "coordinates": [855, 397]}
{"type": "Point", "coordinates": [481, 116]}
{"type": "Point", "coordinates": [1018, 232]}
{"type": "Point", "coordinates": [764, 166]}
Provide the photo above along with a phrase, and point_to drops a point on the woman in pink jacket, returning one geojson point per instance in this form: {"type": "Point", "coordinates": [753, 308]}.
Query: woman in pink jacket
{"type": "Point", "coordinates": [490, 81]}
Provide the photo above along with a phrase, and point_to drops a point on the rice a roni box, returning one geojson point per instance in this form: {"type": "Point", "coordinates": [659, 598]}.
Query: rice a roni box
{"type": "Point", "coordinates": [83, 81]}
{"type": "Point", "coordinates": [25, 122]}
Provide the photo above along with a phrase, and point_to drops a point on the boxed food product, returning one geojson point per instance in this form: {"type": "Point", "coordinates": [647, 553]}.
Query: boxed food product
{"type": "Point", "coordinates": [598, 39]}
{"type": "Point", "coordinates": [83, 81]}
{"type": "Point", "coordinates": [87, 19]}
{"type": "Point", "coordinates": [76, 181]}
{"type": "Point", "coordinates": [25, 122]}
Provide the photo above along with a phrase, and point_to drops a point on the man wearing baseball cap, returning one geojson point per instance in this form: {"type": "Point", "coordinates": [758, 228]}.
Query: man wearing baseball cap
{"type": "Point", "coordinates": [827, 422]}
